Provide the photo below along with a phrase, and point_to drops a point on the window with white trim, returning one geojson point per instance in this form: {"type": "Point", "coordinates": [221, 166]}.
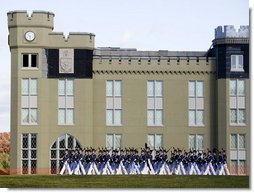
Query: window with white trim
{"type": "Point", "coordinates": [237, 102]}
{"type": "Point", "coordinates": [154, 103]}
{"type": "Point", "coordinates": [65, 102]}
{"type": "Point", "coordinates": [29, 108]}
{"type": "Point", "coordinates": [196, 142]}
{"type": "Point", "coordinates": [113, 102]}
{"type": "Point", "coordinates": [196, 103]}
{"type": "Point", "coordinates": [29, 153]}
{"type": "Point", "coordinates": [155, 141]}
{"type": "Point", "coordinates": [58, 148]}
{"type": "Point", "coordinates": [113, 141]}
{"type": "Point", "coordinates": [238, 153]}
{"type": "Point", "coordinates": [236, 63]}
{"type": "Point", "coordinates": [30, 60]}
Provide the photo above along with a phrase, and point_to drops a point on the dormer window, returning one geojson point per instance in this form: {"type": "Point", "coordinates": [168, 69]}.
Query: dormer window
{"type": "Point", "coordinates": [237, 63]}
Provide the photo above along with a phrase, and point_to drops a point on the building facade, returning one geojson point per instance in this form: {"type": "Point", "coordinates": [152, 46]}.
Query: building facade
{"type": "Point", "coordinates": [65, 93]}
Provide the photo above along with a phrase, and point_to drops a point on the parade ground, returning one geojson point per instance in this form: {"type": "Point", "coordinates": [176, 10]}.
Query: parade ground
{"type": "Point", "coordinates": [123, 181]}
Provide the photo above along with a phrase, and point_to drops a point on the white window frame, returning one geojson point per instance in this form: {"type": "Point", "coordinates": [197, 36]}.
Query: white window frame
{"type": "Point", "coordinates": [29, 149]}
{"type": "Point", "coordinates": [237, 108]}
{"type": "Point", "coordinates": [66, 95]}
{"type": "Point", "coordinates": [237, 63]}
{"type": "Point", "coordinates": [58, 149]}
{"type": "Point", "coordinates": [114, 140]}
{"type": "Point", "coordinates": [29, 95]}
{"type": "Point", "coordinates": [114, 98]}
{"type": "Point", "coordinates": [154, 97]}
{"type": "Point", "coordinates": [196, 141]}
{"type": "Point", "coordinates": [195, 109]}
{"type": "Point", "coordinates": [30, 61]}
{"type": "Point", "coordinates": [238, 152]}
{"type": "Point", "coordinates": [154, 137]}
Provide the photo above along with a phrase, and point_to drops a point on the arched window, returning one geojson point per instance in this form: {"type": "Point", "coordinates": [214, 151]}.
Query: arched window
{"type": "Point", "coordinates": [57, 149]}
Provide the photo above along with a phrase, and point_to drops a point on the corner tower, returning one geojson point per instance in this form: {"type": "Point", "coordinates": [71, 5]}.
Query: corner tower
{"type": "Point", "coordinates": [231, 49]}
{"type": "Point", "coordinates": [42, 61]}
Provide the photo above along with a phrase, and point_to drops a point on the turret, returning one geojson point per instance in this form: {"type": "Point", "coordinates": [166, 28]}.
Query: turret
{"type": "Point", "coordinates": [40, 25]}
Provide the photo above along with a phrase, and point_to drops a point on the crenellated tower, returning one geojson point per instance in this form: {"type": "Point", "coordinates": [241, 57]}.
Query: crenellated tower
{"type": "Point", "coordinates": [40, 58]}
{"type": "Point", "coordinates": [231, 50]}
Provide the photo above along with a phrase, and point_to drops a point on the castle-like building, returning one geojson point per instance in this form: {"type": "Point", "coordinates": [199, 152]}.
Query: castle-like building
{"type": "Point", "coordinates": [65, 93]}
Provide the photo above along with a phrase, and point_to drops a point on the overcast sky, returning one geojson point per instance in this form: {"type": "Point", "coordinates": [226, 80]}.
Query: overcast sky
{"type": "Point", "coordinates": [175, 25]}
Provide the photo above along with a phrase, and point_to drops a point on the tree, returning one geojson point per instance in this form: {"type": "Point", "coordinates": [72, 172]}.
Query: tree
{"type": "Point", "coordinates": [5, 150]}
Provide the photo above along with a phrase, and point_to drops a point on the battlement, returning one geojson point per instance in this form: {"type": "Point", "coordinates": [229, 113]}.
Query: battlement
{"type": "Point", "coordinates": [229, 31]}
{"type": "Point", "coordinates": [42, 24]}
{"type": "Point", "coordinates": [21, 18]}
{"type": "Point", "coordinates": [73, 39]}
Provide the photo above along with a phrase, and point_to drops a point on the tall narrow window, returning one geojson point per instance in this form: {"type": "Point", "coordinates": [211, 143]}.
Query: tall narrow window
{"type": "Point", "coordinates": [113, 141]}
{"type": "Point", "coordinates": [237, 102]}
{"type": "Point", "coordinates": [155, 141]}
{"type": "Point", "coordinates": [155, 103]}
{"type": "Point", "coordinates": [237, 63]}
{"type": "Point", "coordinates": [29, 60]}
{"type": "Point", "coordinates": [29, 109]}
{"type": "Point", "coordinates": [196, 142]}
{"type": "Point", "coordinates": [65, 101]}
{"type": "Point", "coordinates": [238, 153]}
{"type": "Point", "coordinates": [58, 148]}
{"type": "Point", "coordinates": [114, 103]}
{"type": "Point", "coordinates": [29, 153]}
{"type": "Point", "coordinates": [196, 103]}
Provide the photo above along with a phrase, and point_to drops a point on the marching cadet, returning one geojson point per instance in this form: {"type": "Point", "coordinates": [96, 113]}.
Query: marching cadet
{"type": "Point", "coordinates": [113, 161]}
{"type": "Point", "coordinates": [224, 156]}
{"type": "Point", "coordinates": [150, 161]}
{"type": "Point", "coordinates": [156, 164]}
{"type": "Point", "coordinates": [185, 162]}
{"type": "Point", "coordinates": [101, 161]}
{"type": "Point", "coordinates": [194, 168]}
{"type": "Point", "coordinates": [180, 168]}
{"type": "Point", "coordinates": [199, 164]}
{"type": "Point", "coordinates": [92, 168]}
{"type": "Point", "coordinates": [136, 162]}
{"type": "Point", "coordinates": [116, 162]}
{"type": "Point", "coordinates": [88, 160]}
{"type": "Point", "coordinates": [121, 168]}
{"type": "Point", "coordinates": [220, 165]}
{"type": "Point", "coordinates": [131, 162]}
{"type": "Point", "coordinates": [174, 160]}
{"type": "Point", "coordinates": [209, 161]}
{"type": "Point", "coordinates": [72, 162]}
{"type": "Point", "coordinates": [162, 165]}
{"type": "Point", "coordinates": [65, 162]}
{"type": "Point", "coordinates": [214, 161]}
{"type": "Point", "coordinates": [143, 162]}
{"type": "Point", "coordinates": [80, 162]}
{"type": "Point", "coordinates": [127, 161]}
{"type": "Point", "coordinates": [107, 168]}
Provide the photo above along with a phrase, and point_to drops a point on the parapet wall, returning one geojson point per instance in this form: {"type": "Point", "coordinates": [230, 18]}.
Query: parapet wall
{"type": "Point", "coordinates": [37, 19]}
{"type": "Point", "coordinates": [231, 32]}
{"type": "Point", "coordinates": [42, 24]}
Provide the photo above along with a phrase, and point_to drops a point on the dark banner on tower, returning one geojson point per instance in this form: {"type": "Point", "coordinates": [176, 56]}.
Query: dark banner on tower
{"type": "Point", "coordinates": [67, 63]}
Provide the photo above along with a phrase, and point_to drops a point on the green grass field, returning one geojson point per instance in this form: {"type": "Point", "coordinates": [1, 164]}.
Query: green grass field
{"type": "Point", "coordinates": [122, 181]}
